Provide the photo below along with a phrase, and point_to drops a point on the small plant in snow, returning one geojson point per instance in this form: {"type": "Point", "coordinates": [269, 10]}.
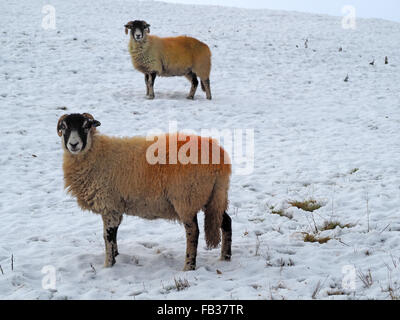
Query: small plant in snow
{"type": "Point", "coordinates": [366, 278]}
{"type": "Point", "coordinates": [316, 290]}
{"type": "Point", "coordinates": [93, 269]}
{"type": "Point", "coordinates": [285, 263]}
{"type": "Point", "coordinates": [367, 202]}
{"type": "Point", "coordinates": [353, 171]}
{"type": "Point", "coordinates": [178, 285]}
{"type": "Point", "coordinates": [181, 284]}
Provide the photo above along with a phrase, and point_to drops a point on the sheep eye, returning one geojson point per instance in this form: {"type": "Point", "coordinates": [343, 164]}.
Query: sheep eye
{"type": "Point", "coordinates": [63, 127]}
{"type": "Point", "coordinates": [87, 126]}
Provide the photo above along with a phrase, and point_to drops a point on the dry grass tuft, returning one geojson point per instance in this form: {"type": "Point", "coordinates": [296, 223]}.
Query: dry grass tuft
{"type": "Point", "coordinates": [337, 293]}
{"type": "Point", "coordinates": [392, 294]}
{"type": "Point", "coordinates": [281, 212]}
{"type": "Point", "coordinates": [307, 205]}
{"type": "Point", "coordinates": [331, 225]}
{"type": "Point", "coordinates": [308, 237]}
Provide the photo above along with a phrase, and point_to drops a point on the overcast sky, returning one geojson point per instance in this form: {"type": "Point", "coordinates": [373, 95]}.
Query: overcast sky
{"type": "Point", "coordinates": [385, 9]}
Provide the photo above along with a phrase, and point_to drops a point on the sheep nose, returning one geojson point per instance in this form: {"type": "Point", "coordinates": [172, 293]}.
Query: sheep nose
{"type": "Point", "coordinates": [73, 145]}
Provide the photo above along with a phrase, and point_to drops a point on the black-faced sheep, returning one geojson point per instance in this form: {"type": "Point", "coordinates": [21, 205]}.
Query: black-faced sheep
{"type": "Point", "coordinates": [112, 176]}
{"type": "Point", "coordinates": [173, 56]}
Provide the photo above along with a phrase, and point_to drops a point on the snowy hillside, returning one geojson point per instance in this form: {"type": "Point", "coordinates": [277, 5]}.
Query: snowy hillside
{"type": "Point", "coordinates": [317, 138]}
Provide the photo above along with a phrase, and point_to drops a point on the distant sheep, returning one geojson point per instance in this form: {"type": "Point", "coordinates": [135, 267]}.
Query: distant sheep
{"type": "Point", "coordinates": [112, 176]}
{"type": "Point", "coordinates": [166, 57]}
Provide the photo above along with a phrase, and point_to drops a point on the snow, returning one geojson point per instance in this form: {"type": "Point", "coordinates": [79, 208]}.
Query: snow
{"type": "Point", "coordinates": [316, 136]}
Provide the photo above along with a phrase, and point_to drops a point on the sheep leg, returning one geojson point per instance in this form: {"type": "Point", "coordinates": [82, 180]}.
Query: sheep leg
{"type": "Point", "coordinates": [226, 237]}
{"type": "Point", "coordinates": [146, 80]}
{"type": "Point", "coordinates": [192, 239]}
{"type": "Point", "coordinates": [111, 223]}
{"type": "Point", "coordinates": [192, 77]}
{"type": "Point", "coordinates": [150, 81]}
{"type": "Point", "coordinates": [206, 84]}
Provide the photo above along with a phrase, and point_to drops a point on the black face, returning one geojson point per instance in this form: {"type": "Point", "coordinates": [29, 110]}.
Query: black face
{"type": "Point", "coordinates": [74, 129]}
{"type": "Point", "coordinates": [139, 29]}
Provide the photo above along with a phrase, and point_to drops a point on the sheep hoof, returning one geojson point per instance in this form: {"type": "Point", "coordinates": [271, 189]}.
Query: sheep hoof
{"type": "Point", "coordinates": [189, 267]}
{"type": "Point", "coordinates": [108, 263]}
{"type": "Point", "coordinates": [190, 97]}
{"type": "Point", "coordinates": [226, 257]}
{"type": "Point", "coordinates": [150, 97]}
{"type": "Point", "coordinates": [209, 98]}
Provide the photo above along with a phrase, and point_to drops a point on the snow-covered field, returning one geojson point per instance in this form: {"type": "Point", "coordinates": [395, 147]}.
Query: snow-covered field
{"type": "Point", "coordinates": [316, 137]}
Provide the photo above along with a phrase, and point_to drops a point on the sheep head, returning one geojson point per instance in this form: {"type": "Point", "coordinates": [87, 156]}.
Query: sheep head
{"type": "Point", "coordinates": [139, 29]}
{"type": "Point", "coordinates": [76, 131]}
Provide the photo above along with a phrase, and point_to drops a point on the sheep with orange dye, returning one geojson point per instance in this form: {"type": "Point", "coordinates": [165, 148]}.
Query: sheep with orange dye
{"type": "Point", "coordinates": [166, 57]}
{"type": "Point", "coordinates": [113, 176]}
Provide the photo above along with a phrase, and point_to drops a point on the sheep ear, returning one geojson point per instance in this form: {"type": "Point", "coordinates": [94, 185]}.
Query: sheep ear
{"type": "Point", "coordinates": [126, 30]}
{"type": "Point", "coordinates": [148, 30]}
{"type": "Point", "coordinates": [96, 123]}
{"type": "Point", "coordinates": [59, 131]}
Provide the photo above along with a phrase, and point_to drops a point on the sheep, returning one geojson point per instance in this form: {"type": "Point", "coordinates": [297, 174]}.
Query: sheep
{"type": "Point", "coordinates": [166, 57]}
{"type": "Point", "coordinates": [111, 176]}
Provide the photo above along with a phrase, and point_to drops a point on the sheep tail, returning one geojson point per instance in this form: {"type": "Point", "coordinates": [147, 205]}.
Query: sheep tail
{"type": "Point", "coordinates": [214, 211]}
